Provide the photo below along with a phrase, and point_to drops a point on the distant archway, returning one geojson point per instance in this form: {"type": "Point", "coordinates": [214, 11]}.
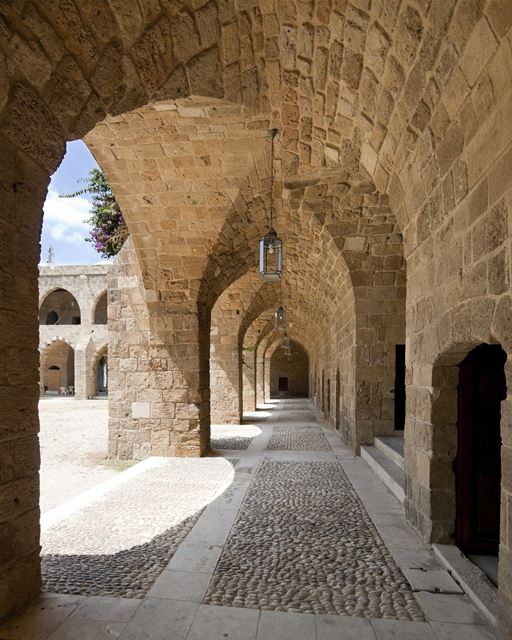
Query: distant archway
{"type": "Point", "coordinates": [59, 307]}
{"type": "Point", "coordinates": [102, 373]}
{"type": "Point", "coordinates": [289, 378]}
{"type": "Point", "coordinates": [100, 310]}
{"type": "Point", "coordinates": [58, 369]}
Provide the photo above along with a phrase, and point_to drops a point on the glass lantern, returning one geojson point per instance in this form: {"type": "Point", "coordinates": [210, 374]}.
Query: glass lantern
{"type": "Point", "coordinates": [280, 320]}
{"type": "Point", "coordinates": [289, 357]}
{"type": "Point", "coordinates": [271, 257]}
{"type": "Point", "coordinates": [285, 342]}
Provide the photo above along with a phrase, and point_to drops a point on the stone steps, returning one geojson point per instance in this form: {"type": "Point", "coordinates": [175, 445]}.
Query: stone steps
{"type": "Point", "coordinates": [393, 448]}
{"type": "Point", "coordinates": [381, 459]}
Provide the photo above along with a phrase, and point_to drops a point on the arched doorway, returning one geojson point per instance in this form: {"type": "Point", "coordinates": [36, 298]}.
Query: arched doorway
{"type": "Point", "coordinates": [103, 375]}
{"type": "Point", "coordinates": [98, 382]}
{"type": "Point", "coordinates": [289, 378]}
{"type": "Point", "coordinates": [58, 369]}
{"type": "Point", "coordinates": [59, 307]}
{"type": "Point", "coordinates": [482, 387]}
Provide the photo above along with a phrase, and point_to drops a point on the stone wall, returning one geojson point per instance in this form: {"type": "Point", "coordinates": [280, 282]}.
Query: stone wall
{"type": "Point", "coordinates": [20, 223]}
{"type": "Point", "coordinates": [395, 141]}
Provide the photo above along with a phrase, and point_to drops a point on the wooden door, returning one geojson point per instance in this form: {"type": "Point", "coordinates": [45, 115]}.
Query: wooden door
{"type": "Point", "coordinates": [53, 379]}
{"type": "Point", "coordinates": [338, 393]}
{"type": "Point", "coordinates": [482, 387]}
{"type": "Point", "coordinates": [283, 385]}
{"type": "Point", "coordinates": [399, 387]}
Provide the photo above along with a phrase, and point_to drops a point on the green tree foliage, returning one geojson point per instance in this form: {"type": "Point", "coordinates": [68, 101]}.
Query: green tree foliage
{"type": "Point", "coordinates": [108, 227]}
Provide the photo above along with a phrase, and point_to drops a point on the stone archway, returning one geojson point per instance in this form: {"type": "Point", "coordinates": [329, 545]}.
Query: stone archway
{"type": "Point", "coordinates": [59, 307]}
{"type": "Point", "coordinates": [442, 458]}
{"type": "Point", "coordinates": [100, 315]}
{"type": "Point", "coordinates": [58, 369]}
{"type": "Point", "coordinates": [289, 378]}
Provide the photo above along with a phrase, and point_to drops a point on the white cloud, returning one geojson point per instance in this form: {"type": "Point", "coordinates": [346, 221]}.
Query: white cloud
{"type": "Point", "coordinates": [65, 217]}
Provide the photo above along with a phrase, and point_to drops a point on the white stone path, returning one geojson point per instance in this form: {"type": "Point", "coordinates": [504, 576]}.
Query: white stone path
{"type": "Point", "coordinates": [173, 609]}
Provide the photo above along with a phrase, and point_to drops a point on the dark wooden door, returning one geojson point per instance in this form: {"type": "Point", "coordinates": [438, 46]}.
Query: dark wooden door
{"type": "Point", "coordinates": [338, 394]}
{"type": "Point", "coordinates": [482, 387]}
{"type": "Point", "coordinates": [283, 384]}
{"type": "Point", "coordinates": [53, 379]}
{"type": "Point", "coordinates": [399, 387]}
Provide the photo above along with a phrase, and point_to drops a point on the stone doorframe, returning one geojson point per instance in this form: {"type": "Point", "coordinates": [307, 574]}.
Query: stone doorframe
{"type": "Point", "coordinates": [431, 449]}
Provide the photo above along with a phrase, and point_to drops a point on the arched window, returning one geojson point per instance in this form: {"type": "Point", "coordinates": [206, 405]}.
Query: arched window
{"type": "Point", "coordinates": [59, 307]}
{"type": "Point", "coordinates": [52, 318]}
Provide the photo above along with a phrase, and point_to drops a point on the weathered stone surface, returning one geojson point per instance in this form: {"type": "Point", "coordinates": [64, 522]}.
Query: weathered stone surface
{"type": "Point", "coordinates": [395, 137]}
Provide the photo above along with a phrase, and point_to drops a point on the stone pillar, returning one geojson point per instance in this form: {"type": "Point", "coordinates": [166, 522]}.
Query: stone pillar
{"type": "Point", "coordinates": [158, 355]}
{"type": "Point", "coordinates": [266, 381]}
{"type": "Point", "coordinates": [23, 187]}
{"type": "Point", "coordinates": [224, 374]}
{"type": "Point", "coordinates": [248, 371]}
{"type": "Point", "coordinates": [81, 372]}
{"type": "Point", "coordinates": [260, 378]}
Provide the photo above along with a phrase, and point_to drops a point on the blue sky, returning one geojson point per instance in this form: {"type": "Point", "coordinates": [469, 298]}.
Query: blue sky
{"type": "Point", "coordinates": [63, 221]}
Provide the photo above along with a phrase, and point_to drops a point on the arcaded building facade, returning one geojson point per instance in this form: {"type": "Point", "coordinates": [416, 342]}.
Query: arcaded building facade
{"type": "Point", "coordinates": [392, 187]}
{"type": "Point", "coordinates": [73, 330]}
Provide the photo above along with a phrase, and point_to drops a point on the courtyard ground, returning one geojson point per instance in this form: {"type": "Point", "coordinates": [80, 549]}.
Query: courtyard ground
{"type": "Point", "coordinates": [287, 536]}
{"type": "Point", "coordinates": [73, 440]}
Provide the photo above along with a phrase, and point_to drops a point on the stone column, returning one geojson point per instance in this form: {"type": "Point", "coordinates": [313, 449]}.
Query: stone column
{"type": "Point", "coordinates": [248, 371]}
{"type": "Point", "coordinates": [23, 187]}
{"type": "Point", "coordinates": [266, 383]}
{"type": "Point", "coordinates": [224, 374]}
{"type": "Point", "coordinates": [260, 378]}
{"type": "Point", "coordinates": [81, 372]}
{"type": "Point", "coordinates": [158, 373]}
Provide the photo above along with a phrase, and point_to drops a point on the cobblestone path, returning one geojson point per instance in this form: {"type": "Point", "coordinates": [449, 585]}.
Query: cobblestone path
{"type": "Point", "coordinates": [298, 438]}
{"type": "Point", "coordinates": [303, 542]}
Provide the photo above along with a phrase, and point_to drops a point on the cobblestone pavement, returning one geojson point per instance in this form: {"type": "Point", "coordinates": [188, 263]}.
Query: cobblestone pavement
{"type": "Point", "coordinates": [303, 542]}
{"type": "Point", "coordinates": [73, 439]}
{"type": "Point", "coordinates": [279, 538]}
{"type": "Point", "coordinates": [298, 438]}
{"type": "Point", "coordinates": [120, 543]}
{"type": "Point", "coordinates": [232, 437]}
{"type": "Point", "coordinates": [129, 573]}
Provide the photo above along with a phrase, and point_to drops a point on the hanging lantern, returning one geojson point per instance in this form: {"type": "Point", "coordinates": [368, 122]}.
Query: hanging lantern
{"type": "Point", "coordinates": [289, 357]}
{"type": "Point", "coordinates": [271, 247]}
{"type": "Point", "coordinates": [285, 342]}
{"type": "Point", "coordinates": [271, 257]}
{"type": "Point", "coordinates": [280, 320]}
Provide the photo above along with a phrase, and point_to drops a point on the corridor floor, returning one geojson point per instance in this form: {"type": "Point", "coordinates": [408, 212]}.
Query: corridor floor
{"type": "Point", "coordinates": [288, 536]}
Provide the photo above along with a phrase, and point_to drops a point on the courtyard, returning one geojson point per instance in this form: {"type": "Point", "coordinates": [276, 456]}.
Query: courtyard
{"type": "Point", "coordinates": [73, 440]}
